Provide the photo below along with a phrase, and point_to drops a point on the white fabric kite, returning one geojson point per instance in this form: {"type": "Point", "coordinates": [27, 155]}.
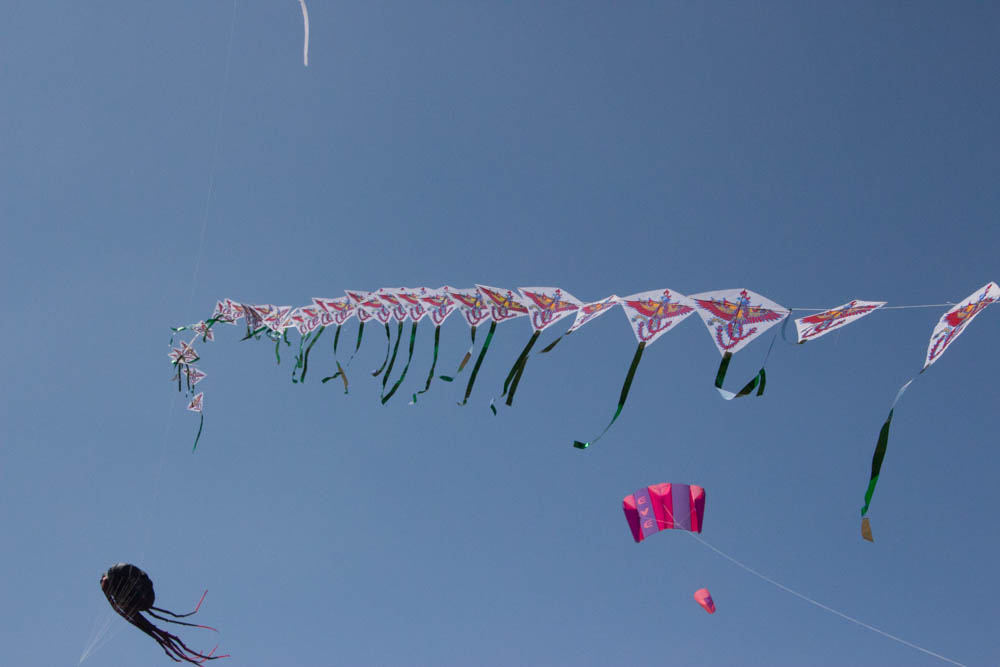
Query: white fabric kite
{"type": "Point", "coordinates": [812, 327]}
{"type": "Point", "coordinates": [735, 317]}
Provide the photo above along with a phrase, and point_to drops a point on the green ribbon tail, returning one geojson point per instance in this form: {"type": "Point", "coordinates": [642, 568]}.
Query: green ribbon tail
{"type": "Point", "coordinates": [877, 458]}
{"type": "Point", "coordinates": [388, 346]}
{"type": "Point", "coordinates": [430, 375]}
{"type": "Point", "coordinates": [520, 364]}
{"type": "Point", "coordinates": [409, 357]}
{"type": "Point", "coordinates": [720, 376]}
{"type": "Point", "coordinates": [299, 356]}
{"type": "Point", "coordinates": [357, 344]}
{"type": "Point", "coordinates": [392, 361]}
{"type": "Point", "coordinates": [465, 359]}
{"type": "Point", "coordinates": [479, 362]}
{"type": "Point", "coordinates": [201, 425]}
{"type": "Point", "coordinates": [305, 358]}
{"type": "Point", "coordinates": [252, 334]}
{"type": "Point", "coordinates": [277, 350]}
{"type": "Point", "coordinates": [880, 447]}
{"type": "Point", "coordinates": [548, 348]}
{"type": "Point", "coordinates": [758, 382]}
{"type": "Point", "coordinates": [621, 399]}
{"type": "Point", "coordinates": [340, 373]}
{"type": "Point", "coordinates": [336, 340]}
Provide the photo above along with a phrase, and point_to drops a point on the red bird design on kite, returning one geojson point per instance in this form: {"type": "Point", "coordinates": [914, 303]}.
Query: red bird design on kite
{"type": "Point", "coordinates": [957, 321]}
{"type": "Point", "coordinates": [505, 306]}
{"type": "Point", "coordinates": [412, 300]}
{"type": "Point", "coordinates": [440, 306]}
{"type": "Point", "coordinates": [834, 317]}
{"type": "Point", "coordinates": [549, 307]}
{"type": "Point", "coordinates": [656, 314]}
{"type": "Point", "coordinates": [731, 318]}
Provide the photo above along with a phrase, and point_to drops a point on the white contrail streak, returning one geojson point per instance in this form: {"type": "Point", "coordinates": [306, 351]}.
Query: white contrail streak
{"type": "Point", "coordinates": [305, 22]}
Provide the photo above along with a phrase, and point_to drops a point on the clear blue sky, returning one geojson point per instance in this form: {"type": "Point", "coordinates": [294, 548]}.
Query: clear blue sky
{"type": "Point", "coordinates": [811, 152]}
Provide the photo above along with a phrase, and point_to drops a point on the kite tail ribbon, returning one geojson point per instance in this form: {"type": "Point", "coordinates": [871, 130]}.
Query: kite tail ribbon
{"type": "Point", "coordinates": [253, 334]}
{"type": "Point", "coordinates": [305, 358]}
{"type": "Point", "coordinates": [357, 344]}
{"type": "Point", "coordinates": [392, 361]}
{"type": "Point", "coordinates": [880, 447]}
{"type": "Point", "coordinates": [548, 348]}
{"type": "Point", "coordinates": [465, 359]}
{"type": "Point", "coordinates": [866, 530]}
{"type": "Point", "coordinates": [277, 346]}
{"type": "Point", "coordinates": [409, 357]}
{"type": "Point", "coordinates": [514, 376]}
{"type": "Point", "coordinates": [388, 340]}
{"type": "Point", "coordinates": [430, 375]}
{"type": "Point", "coordinates": [201, 425]}
{"type": "Point", "coordinates": [299, 357]}
{"type": "Point", "coordinates": [621, 399]}
{"type": "Point", "coordinates": [340, 369]}
{"type": "Point", "coordinates": [758, 382]}
{"type": "Point", "coordinates": [479, 362]}
{"type": "Point", "coordinates": [784, 331]}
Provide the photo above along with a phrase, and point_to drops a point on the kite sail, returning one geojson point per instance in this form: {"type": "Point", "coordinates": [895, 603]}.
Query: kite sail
{"type": "Point", "coordinates": [227, 311]}
{"type": "Point", "coordinates": [196, 405]}
{"type": "Point", "coordinates": [704, 598]}
{"type": "Point", "coordinates": [585, 313]}
{"type": "Point", "coordinates": [664, 507]}
{"type": "Point", "coordinates": [546, 306]}
{"type": "Point", "coordinates": [949, 327]}
{"type": "Point", "coordinates": [812, 327]}
{"type": "Point", "coordinates": [953, 323]}
{"type": "Point", "coordinates": [651, 315]}
{"type": "Point", "coordinates": [735, 317]}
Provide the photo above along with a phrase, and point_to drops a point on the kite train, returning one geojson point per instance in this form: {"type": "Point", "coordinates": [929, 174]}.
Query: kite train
{"type": "Point", "coordinates": [734, 318]}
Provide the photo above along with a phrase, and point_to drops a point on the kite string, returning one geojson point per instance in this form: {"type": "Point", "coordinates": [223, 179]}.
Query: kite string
{"type": "Point", "coordinates": [102, 634]}
{"type": "Point", "coordinates": [215, 159]}
{"type": "Point", "coordinates": [157, 478]}
{"type": "Point", "coordinates": [923, 305]}
{"type": "Point", "coordinates": [820, 604]}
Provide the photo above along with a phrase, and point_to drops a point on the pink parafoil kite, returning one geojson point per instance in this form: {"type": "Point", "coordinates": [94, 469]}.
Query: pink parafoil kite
{"type": "Point", "coordinates": [704, 598]}
{"type": "Point", "coordinates": [663, 506]}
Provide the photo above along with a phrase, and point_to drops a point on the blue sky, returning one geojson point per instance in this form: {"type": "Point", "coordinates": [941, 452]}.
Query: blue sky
{"type": "Point", "coordinates": [810, 152]}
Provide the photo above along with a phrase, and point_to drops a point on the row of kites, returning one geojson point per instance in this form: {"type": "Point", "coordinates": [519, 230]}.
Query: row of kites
{"type": "Point", "coordinates": [733, 317]}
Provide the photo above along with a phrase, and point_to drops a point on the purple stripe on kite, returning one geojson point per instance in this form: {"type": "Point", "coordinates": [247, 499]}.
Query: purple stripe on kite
{"type": "Point", "coordinates": [647, 517]}
{"type": "Point", "coordinates": [681, 502]}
